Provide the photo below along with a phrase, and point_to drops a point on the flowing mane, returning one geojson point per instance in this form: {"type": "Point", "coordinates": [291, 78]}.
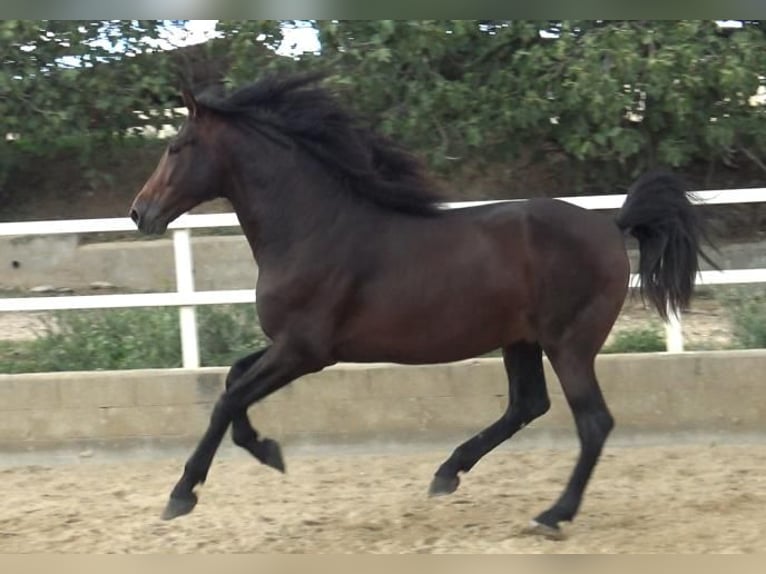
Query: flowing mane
{"type": "Point", "coordinates": [369, 164]}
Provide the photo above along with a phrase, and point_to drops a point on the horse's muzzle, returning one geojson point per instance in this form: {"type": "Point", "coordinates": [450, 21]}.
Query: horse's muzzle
{"type": "Point", "coordinates": [148, 220]}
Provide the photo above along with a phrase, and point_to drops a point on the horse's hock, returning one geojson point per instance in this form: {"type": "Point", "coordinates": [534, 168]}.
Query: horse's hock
{"type": "Point", "coordinates": [706, 392]}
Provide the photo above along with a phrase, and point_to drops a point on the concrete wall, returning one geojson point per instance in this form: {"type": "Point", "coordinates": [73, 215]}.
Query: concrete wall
{"type": "Point", "coordinates": [221, 262]}
{"type": "Point", "coordinates": [710, 392]}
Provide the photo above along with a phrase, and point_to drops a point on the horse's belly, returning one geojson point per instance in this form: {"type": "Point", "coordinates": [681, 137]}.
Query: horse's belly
{"type": "Point", "coordinates": [416, 334]}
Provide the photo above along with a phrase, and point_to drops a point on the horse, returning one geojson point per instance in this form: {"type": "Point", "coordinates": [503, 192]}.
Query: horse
{"type": "Point", "coordinates": [359, 262]}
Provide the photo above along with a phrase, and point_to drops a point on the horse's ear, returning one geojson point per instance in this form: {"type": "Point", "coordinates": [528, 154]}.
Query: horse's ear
{"type": "Point", "coordinates": [191, 103]}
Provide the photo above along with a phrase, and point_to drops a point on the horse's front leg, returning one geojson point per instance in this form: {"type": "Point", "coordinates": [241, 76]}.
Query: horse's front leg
{"type": "Point", "coordinates": [277, 367]}
{"type": "Point", "coordinates": [243, 434]}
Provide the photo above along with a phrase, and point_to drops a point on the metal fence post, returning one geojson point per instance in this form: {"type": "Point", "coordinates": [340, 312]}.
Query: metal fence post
{"type": "Point", "coordinates": [185, 284]}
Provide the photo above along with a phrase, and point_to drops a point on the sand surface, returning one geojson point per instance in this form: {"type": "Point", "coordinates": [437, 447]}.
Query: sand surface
{"type": "Point", "coordinates": [686, 498]}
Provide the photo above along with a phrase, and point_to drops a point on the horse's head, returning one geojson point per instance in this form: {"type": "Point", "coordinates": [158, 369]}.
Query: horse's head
{"type": "Point", "coordinates": [188, 173]}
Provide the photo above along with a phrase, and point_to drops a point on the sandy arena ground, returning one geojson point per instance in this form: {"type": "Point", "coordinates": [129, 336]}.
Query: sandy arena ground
{"type": "Point", "coordinates": [684, 498]}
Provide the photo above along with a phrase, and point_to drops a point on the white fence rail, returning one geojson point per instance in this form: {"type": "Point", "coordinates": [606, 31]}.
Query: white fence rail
{"type": "Point", "coordinates": [186, 298]}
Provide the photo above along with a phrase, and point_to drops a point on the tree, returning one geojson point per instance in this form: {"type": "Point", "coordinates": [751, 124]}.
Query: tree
{"type": "Point", "coordinates": [76, 82]}
{"type": "Point", "coordinates": [624, 95]}
{"type": "Point", "coordinates": [611, 97]}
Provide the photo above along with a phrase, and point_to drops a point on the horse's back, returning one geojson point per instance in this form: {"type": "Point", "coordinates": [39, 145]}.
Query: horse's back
{"type": "Point", "coordinates": [554, 232]}
{"type": "Point", "coordinates": [562, 250]}
{"type": "Point", "coordinates": [556, 222]}
{"type": "Point", "coordinates": [556, 260]}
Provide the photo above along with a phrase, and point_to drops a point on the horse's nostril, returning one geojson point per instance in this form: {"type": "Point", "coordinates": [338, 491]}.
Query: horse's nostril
{"type": "Point", "coordinates": [135, 216]}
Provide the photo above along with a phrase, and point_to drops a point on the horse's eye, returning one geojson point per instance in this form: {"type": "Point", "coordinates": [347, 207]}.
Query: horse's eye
{"type": "Point", "coordinates": [177, 145]}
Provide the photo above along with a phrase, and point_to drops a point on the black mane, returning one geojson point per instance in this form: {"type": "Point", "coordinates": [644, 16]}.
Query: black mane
{"type": "Point", "coordinates": [373, 166]}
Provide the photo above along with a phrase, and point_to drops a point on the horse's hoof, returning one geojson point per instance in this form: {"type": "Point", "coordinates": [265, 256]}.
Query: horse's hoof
{"type": "Point", "coordinates": [272, 454]}
{"type": "Point", "coordinates": [443, 485]}
{"type": "Point", "coordinates": [536, 528]}
{"type": "Point", "coordinates": [179, 506]}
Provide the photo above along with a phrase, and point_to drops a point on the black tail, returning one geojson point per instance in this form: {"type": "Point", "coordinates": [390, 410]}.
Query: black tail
{"type": "Point", "coordinates": [658, 213]}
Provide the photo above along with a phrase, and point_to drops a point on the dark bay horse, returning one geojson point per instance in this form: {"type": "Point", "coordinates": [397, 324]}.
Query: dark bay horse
{"type": "Point", "coordinates": [358, 262]}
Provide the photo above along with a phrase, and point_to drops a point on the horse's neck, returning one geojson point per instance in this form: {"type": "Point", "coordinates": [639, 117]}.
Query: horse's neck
{"type": "Point", "coordinates": [300, 218]}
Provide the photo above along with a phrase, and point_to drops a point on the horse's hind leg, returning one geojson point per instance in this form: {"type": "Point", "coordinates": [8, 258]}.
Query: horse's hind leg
{"type": "Point", "coordinates": [528, 399]}
{"type": "Point", "coordinates": [572, 355]}
{"type": "Point", "coordinates": [593, 421]}
{"type": "Point", "coordinates": [243, 434]}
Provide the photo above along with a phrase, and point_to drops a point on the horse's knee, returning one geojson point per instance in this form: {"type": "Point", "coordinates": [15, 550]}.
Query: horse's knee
{"type": "Point", "coordinates": [242, 433]}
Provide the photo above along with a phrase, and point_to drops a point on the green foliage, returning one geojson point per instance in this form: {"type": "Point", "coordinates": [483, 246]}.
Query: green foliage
{"type": "Point", "coordinates": [749, 321]}
{"type": "Point", "coordinates": [78, 76]}
{"type": "Point", "coordinates": [618, 95]}
{"type": "Point", "coordinates": [78, 82]}
{"type": "Point", "coordinates": [641, 340]}
{"type": "Point", "coordinates": [227, 333]}
{"type": "Point", "coordinates": [750, 326]}
{"type": "Point", "coordinates": [131, 339]}
{"type": "Point", "coordinates": [631, 94]}
{"type": "Point", "coordinates": [83, 84]}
